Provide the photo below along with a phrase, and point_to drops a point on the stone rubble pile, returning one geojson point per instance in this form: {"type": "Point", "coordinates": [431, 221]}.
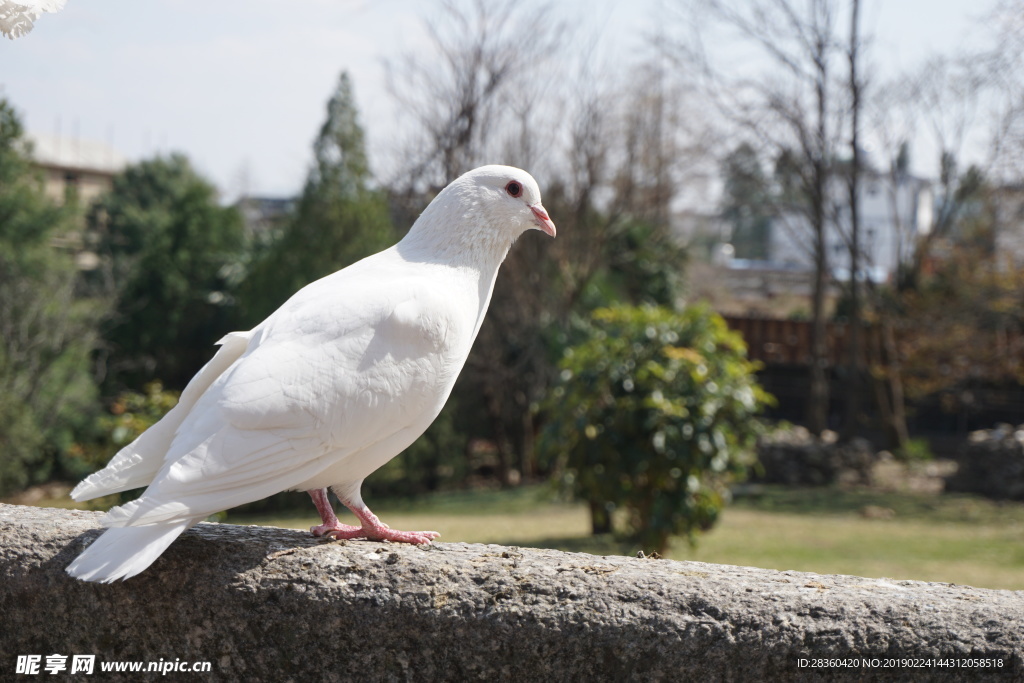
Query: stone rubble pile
{"type": "Point", "coordinates": [991, 463]}
{"type": "Point", "coordinates": [796, 457]}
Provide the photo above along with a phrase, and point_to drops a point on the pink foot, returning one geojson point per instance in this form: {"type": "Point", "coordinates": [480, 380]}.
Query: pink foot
{"type": "Point", "coordinates": [376, 530]}
{"type": "Point", "coordinates": [386, 533]}
{"type": "Point", "coordinates": [329, 530]}
{"type": "Point", "coordinates": [372, 528]}
{"type": "Point", "coordinates": [330, 521]}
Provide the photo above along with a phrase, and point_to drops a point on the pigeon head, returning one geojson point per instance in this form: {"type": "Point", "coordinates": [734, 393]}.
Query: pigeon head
{"type": "Point", "coordinates": [508, 195]}
{"type": "Point", "coordinates": [484, 210]}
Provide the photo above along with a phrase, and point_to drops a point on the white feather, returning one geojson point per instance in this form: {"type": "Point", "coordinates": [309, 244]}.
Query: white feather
{"type": "Point", "coordinates": [344, 376]}
{"type": "Point", "coordinates": [123, 553]}
{"type": "Point", "coordinates": [137, 463]}
{"type": "Point", "coordinates": [17, 17]}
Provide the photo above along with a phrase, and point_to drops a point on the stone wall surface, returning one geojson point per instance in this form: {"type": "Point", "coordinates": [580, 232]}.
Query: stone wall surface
{"type": "Point", "coordinates": [267, 604]}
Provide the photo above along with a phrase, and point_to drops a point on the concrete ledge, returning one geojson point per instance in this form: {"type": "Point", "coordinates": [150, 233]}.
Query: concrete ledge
{"type": "Point", "coordinates": [266, 604]}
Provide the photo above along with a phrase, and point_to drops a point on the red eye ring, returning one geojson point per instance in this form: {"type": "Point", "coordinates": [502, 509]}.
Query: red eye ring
{"type": "Point", "coordinates": [514, 189]}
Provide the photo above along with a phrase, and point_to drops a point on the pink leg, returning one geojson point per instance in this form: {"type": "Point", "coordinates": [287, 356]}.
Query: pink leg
{"type": "Point", "coordinates": [331, 523]}
{"type": "Point", "coordinates": [376, 530]}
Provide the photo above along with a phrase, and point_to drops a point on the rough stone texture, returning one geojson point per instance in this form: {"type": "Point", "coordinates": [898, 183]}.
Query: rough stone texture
{"type": "Point", "coordinates": [991, 463]}
{"type": "Point", "coordinates": [266, 604]}
{"type": "Point", "coordinates": [796, 457]}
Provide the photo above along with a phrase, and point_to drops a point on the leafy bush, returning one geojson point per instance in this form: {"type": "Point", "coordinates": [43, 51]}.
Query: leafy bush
{"type": "Point", "coordinates": [655, 412]}
{"type": "Point", "coordinates": [128, 416]}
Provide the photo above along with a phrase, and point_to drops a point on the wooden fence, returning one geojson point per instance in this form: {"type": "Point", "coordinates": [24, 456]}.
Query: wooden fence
{"type": "Point", "coordinates": [788, 342]}
{"type": "Point", "coordinates": [784, 347]}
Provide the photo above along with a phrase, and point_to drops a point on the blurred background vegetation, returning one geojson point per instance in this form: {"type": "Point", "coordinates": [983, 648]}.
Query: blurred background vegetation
{"type": "Point", "coordinates": [604, 366]}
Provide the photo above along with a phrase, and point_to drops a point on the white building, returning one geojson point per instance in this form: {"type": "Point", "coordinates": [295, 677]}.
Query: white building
{"type": "Point", "coordinates": [892, 217]}
{"type": "Point", "coordinates": [86, 167]}
{"type": "Point", "coordinates": [1008, 204]}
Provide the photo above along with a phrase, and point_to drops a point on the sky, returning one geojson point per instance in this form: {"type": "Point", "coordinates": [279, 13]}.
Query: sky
{"type": "Point", "coordinates": [241, 86]}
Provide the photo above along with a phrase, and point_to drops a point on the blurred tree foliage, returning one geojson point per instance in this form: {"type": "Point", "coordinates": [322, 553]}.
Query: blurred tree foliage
{"type": "Point", "coordinates": [340, 217]}
{"type": "Point", "coordinates": [747, 202]}
{"type": "Point", "coordinates": [645, 265]}
{"type": "Point", "coordinates": [170, 254]}
{"type": "Point", "coordinates": [655, 412]}
{"type": "Point", "coordinates": [46, 331]}
{"type": "Point", "coordinates": [960, 322]}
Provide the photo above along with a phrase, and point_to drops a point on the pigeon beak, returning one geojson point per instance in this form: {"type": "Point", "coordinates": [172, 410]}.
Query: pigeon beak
{"type": "Point", "coordinates": [543, 221]}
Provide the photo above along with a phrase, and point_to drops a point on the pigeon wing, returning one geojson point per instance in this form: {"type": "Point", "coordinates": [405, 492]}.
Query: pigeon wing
{"type": "Point", "coordinates": [309, 393]}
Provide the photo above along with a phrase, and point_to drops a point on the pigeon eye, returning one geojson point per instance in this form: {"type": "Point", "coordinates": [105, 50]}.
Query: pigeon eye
{"type": "Point", "coordinates": [514, 189]}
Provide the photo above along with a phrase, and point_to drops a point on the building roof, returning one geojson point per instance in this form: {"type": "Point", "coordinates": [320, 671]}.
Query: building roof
{"type": "Point", "coordinates": [76, 153]}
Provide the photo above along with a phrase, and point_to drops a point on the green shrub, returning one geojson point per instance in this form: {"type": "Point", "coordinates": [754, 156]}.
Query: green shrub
{"type": "Point", "coordinates": [655, 413]}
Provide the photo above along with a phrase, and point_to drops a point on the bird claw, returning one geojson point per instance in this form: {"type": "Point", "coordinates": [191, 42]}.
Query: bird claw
{"type": "Point", "coordinates": [384, 534]}
{"type": "Point", "coordinates": [415, 537]}
{"type": "Point", "coordinates": [371, 527]}
{"type": "Point", "coordinates": [329, 530]}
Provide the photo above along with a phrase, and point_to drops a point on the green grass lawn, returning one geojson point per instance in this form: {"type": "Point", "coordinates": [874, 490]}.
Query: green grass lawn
{"type": "Point", "coordinates": [949, 538]}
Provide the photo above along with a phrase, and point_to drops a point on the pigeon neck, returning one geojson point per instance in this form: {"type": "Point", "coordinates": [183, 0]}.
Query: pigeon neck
{"type": "Point", "coordinates": [466, 237]}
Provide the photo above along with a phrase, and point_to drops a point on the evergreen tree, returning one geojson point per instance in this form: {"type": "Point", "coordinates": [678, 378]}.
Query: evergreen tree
{"type": "Point", "coordinates": [169, 250]}
{"type": "Point", "coordinates": [46, 331]}
{"type": "Point", "coordinates": [340, 217]}
{"type": "Point", "coordinates": [746, 202]}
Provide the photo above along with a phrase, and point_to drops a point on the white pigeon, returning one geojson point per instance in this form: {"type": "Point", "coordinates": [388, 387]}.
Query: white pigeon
{"type": "Point", "coordinates": [18, 16]}
{"type": "Point", "coordinates": [344, 376]}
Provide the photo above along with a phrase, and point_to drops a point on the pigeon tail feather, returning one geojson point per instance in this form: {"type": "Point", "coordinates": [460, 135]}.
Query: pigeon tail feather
{"type": "Point", "coordinates": [138, 463]}
{"type": "Point", "coordinates": [122, 553]}
{"type": "Point", "coordinates": [127, 470]}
